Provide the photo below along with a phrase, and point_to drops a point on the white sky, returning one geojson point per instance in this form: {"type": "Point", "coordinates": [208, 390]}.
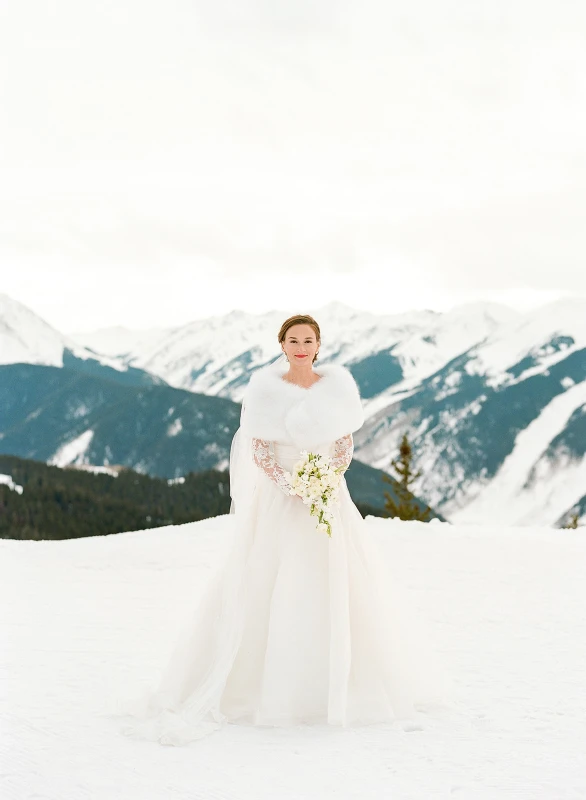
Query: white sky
{"type": "Point", "coordinates": [162, 161]}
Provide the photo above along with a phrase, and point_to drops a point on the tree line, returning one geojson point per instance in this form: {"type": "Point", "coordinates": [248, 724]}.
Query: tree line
{"type": "Point", "coordinates": [69, 503]}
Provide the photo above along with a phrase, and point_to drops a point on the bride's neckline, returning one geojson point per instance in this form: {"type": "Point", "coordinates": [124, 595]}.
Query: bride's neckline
{"type": "Point", "coordinates": [306, 388]}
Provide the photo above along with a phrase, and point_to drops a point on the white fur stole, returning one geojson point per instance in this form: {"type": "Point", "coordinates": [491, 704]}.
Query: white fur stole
{"type": "Point", "coordinates": [280, 411]}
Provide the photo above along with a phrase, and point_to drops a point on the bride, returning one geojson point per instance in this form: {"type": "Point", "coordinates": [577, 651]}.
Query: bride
{"type": "Point", "coordinates": [297, 626]}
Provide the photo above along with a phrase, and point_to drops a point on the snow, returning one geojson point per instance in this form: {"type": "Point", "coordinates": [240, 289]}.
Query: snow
{"type": "Point", "coordinates": [509, 497]}
{"type": "Point", "coordinates": [112, 471]}
{"type": "Point", "coordinates": [7, 481]}
{"type": "Point", "coordinates": [531, 333]}
{"type": "Point", "coordinates": [175, 427]}
{"type": "Point", "coordinates": [73, 452]}
{"type": "Point", "coordinates": [83, 619]}
{"type": "Point", "coordinates": [81, 410]}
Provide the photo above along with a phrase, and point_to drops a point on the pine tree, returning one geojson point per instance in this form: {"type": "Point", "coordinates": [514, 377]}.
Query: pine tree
{"type": "Point", "coordinates": [573, 522]}
{"type": "Point", "coordinates": [406, 507]}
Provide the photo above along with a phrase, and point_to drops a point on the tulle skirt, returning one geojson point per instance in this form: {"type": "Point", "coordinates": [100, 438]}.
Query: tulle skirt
{"type": "Point", "coordinates": [295, 627]}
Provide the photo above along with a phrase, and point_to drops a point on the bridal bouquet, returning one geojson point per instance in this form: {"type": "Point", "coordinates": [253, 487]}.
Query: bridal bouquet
{"type": "Point", "coordinates": [317, 483]}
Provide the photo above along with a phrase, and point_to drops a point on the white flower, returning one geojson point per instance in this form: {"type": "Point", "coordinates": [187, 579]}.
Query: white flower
{"type": "Point", "coordinates": [317, 483]}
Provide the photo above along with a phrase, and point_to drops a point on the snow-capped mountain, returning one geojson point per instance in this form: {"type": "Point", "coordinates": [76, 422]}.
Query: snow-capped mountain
{"type": "Point", "coordinates": [473, 388]}
{"type": "Point", "coordinates": [217, 355]}
{"type": "Point", "coordinates": [493, 401]}
{"type": "Point", "coordinates": [27, 338]}
{"type": "Point", "coordinates": [499, 431]}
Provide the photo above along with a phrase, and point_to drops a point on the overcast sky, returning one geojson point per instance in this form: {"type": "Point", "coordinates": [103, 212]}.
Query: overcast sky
{"type": "Point", "coordinates": [163, 161]}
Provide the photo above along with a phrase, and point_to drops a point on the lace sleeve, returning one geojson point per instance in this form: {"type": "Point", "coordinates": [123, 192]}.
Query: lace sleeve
{"type": "Point", "coordinates": [343, 451]}
{"type": "Point", "coordinates": [267, 462]}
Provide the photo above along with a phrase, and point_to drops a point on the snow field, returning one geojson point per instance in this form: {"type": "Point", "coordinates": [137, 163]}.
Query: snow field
{"type": "Point", "coordinates": [84, 620]}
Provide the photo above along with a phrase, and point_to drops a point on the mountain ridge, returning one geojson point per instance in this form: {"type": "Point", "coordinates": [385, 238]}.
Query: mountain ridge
{"type": "Point", "coordinates": [463, 385]}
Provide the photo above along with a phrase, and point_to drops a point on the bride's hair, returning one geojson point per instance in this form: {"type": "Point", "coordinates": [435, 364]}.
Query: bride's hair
{"type": "Point", "coordinates": [300, 319]}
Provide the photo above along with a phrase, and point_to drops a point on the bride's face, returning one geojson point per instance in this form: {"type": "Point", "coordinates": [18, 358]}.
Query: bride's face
{"type": "Point", "coordinates": [300, 345]}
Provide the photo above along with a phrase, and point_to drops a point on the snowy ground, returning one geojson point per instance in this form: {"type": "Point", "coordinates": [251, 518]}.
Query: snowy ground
{"type": "Point", "coordinates": [81, 619]}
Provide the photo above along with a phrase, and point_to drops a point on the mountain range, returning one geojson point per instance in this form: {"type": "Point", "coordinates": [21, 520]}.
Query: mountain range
{"type": "Point", "coordinates": [493, 400]}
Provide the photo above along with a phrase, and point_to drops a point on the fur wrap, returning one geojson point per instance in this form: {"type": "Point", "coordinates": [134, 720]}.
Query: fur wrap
{"type": "Point", "coordinates": [279, 411]}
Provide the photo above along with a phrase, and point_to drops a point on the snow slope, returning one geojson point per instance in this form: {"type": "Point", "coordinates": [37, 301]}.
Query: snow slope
{"type": "Point", "coordinates": [83, 619]}
{"type": "Point", "coordinates": [512, 494]}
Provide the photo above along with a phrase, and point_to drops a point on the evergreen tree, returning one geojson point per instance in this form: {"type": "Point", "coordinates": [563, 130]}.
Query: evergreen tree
{"type": "Point", "coordinates": [406, 507]}
{"type": "Point", "coordinates": [573, 522]}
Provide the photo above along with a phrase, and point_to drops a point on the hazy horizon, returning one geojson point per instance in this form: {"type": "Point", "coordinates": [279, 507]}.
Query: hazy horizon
{"type": "Point", "coordinates": [314, 309]}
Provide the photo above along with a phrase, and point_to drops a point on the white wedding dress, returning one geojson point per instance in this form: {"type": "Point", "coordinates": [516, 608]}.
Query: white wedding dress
{"type": "Point", "coordinates": [295, 627]}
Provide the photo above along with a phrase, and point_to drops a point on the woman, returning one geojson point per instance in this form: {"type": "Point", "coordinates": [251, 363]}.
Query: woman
{"type": "Point", "coordinates": [297, 626]}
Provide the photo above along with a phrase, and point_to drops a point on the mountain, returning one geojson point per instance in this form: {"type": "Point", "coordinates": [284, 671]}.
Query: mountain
{"type": "Point", "coordinates": [27, 338]}
{"type": "Point", "coordinates": [489, 397]}
{"type": "Point", "coordinates": [216, 355]}
{"type": "Point", "coordinates": [64, 417]}
{"type": "Point", "coordinates": [499, 431]}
